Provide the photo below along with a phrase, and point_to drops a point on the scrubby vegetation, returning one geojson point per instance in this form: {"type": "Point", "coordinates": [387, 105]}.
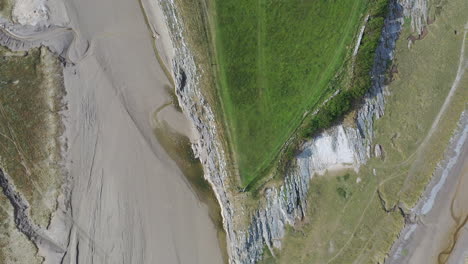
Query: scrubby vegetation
{"type": "Point", "coordinates": [276, 60]}
{"type": "Point", "coordinates": [360, 75]}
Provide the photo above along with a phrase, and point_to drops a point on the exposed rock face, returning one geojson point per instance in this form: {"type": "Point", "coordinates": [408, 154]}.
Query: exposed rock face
{"type": "Point", "coordinates": [417, 11]}
{"type": "Point", "coordinates": [333, 149]}
{"type": "Point", "coordinates": [338, 147]}
{"type": "Point", "coordinates": [378, 151]}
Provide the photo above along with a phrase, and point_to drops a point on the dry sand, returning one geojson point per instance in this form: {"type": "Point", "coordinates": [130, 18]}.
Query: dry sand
{"type": "Point", "coordinates": [130, 203]}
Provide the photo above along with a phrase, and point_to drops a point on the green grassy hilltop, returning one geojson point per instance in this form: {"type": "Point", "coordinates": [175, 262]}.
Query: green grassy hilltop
{"type": "Point", "coordinates": [276, 60]}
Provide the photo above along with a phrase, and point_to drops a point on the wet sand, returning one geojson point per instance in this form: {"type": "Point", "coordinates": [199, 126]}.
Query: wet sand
{"type": "Point", "coordinates": [130, 202]}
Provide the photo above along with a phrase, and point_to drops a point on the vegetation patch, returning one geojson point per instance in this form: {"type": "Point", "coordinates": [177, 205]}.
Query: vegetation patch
{"type": "Point", "coordinates": [343, 188]}
{"type": "Point", "coordinates": [360, 80]}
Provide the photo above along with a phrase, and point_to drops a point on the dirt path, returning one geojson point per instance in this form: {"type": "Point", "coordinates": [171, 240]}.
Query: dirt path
{"type": "Point", "coordinates": [462, 66]}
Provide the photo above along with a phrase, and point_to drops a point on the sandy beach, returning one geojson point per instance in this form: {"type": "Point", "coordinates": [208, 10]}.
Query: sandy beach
{"type": "Point", "coordinates": [130, 202]}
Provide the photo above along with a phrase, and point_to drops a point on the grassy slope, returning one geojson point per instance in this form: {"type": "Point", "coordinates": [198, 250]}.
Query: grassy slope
{"type": "Point", "coordinates": [276, 60]}
{"type": "Point", "coordinates": [354, 228]}
{"type": "Point", "coordinates": [30, 91]}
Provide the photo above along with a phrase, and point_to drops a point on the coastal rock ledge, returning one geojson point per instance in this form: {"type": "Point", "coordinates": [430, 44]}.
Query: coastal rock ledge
{"type": "Point", "coordinates": [342, 146]}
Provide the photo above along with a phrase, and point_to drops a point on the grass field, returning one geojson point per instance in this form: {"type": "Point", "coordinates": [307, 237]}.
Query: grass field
{"type": "Point", "coordinates": [347, 222]}
{"type": "Point", "coordinates": [276, 60]}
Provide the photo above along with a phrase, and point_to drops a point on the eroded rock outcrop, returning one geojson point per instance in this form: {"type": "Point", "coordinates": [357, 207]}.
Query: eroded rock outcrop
{"type": "Point", "coordinates": [20, 208]}
{"type": "Point", "coordinates": [340, 146]}
{"type": "Point", "coordinates": [40, 236]}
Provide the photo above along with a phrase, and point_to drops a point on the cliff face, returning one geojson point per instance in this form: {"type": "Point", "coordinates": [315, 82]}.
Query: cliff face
{"type": "Point", "coordinates": [340, 146]}
{"type": "Point", "coordinates": [207, 148]}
